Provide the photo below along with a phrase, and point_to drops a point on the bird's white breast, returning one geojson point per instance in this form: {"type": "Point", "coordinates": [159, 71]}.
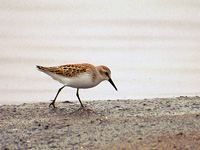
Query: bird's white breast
{"type": "Point", "coordinates": [83, 81]}
{"type": "Point", "coordinates": [80, 81]}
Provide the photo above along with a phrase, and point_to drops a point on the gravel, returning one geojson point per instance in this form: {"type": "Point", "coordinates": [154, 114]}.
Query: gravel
{"type": "Point", "coordinates": [159, 123]}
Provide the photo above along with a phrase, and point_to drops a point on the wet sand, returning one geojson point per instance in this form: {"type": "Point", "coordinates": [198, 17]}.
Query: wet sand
{"type": "Point", "coordinates": [159, 123]}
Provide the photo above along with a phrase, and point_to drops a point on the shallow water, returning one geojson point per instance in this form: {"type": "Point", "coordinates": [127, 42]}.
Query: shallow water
{"type": "Point", "coordinates": [152, 48]}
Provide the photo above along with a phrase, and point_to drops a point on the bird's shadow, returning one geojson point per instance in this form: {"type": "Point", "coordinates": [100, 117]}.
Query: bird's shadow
{"type": "Point", "coordinates": [82, 112]}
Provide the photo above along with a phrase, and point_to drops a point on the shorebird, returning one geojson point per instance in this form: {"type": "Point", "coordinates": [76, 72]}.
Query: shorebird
{"type": "Point", "coordinates": [78, 76]}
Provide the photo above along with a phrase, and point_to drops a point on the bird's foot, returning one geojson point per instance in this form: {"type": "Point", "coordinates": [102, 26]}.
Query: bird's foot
{"type": "Point", "coordinates": [52, 103]}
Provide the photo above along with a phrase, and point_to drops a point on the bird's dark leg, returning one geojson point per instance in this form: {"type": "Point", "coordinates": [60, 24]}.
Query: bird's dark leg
{"type": "Point", "coordinates": [77, 94]}
{"type": "Point", "coordinates": [53, 103]}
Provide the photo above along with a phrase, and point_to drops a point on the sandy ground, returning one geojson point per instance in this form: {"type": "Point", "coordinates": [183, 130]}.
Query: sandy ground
{"type": "Point", "coordinates": [160, 123]}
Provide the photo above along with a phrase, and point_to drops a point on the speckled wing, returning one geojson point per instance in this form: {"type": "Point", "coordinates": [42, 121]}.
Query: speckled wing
{"type": "Point", "coordinates": [65, 70]}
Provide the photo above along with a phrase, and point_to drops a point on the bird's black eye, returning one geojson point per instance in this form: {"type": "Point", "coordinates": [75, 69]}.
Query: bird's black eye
{"type": "Point", "coordinates": [107, 73]}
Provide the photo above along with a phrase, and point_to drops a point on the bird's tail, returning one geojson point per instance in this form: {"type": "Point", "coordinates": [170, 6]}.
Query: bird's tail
{"type": "Point", "coordinates": [41, 68]}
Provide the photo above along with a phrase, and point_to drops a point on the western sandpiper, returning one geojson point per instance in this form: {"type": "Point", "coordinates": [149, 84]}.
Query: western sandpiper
{"type": "Point", "coordinates": [78, 76]}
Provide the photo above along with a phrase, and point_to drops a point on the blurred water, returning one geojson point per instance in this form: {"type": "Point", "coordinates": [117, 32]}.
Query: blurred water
{"type": "Point", "coordinates": [151, 47]}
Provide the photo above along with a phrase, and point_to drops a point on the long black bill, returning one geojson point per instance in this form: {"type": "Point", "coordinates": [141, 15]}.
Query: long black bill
{"type": "Point", "coordinates": [111, 82]}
